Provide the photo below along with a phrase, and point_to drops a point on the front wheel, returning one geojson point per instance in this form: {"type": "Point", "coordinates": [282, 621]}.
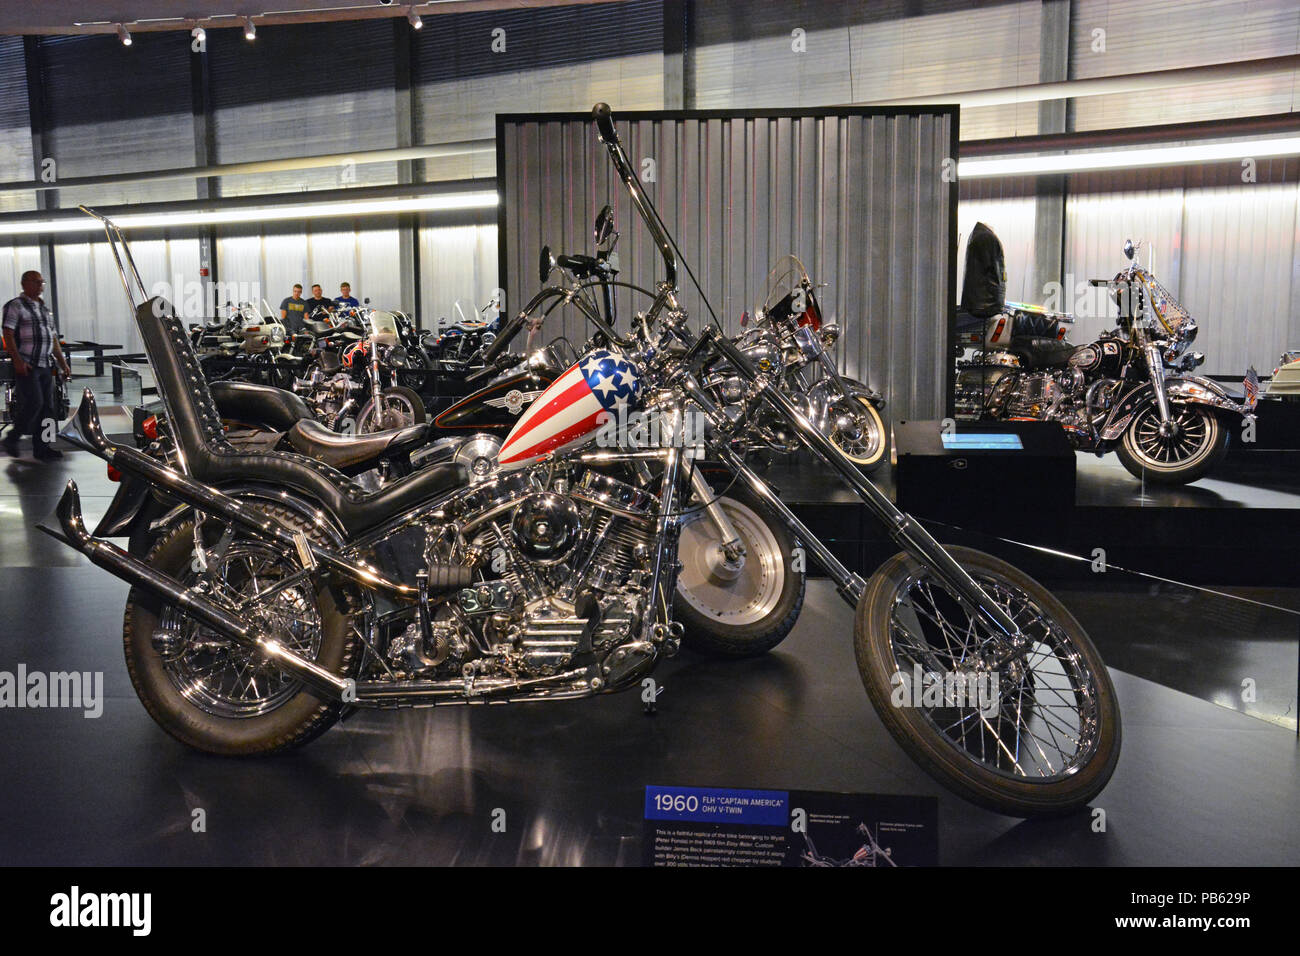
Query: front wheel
{"type": "Point", "coordinates": [858, 430]}
{"type": "Point", "coordinates": [401, 408]}
{"type": "Point", "coordinates": [737, 605]}
{"type": "Point", "coordinates": [1194, 441]}
{"type": "Point", "coordinates": [1038, 735]}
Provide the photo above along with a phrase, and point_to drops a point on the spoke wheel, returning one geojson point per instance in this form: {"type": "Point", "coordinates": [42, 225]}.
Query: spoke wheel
{"type": "Point", "coordinates": [1036, 735]}
{"type": "Point", "coordinates": [399, 408]}
{"type": "Point", "coordinates": [223, 678]}
{"type": "Point", "coordinates": [1185, 450]}
{"type": "Point", "coordinates": [205, 690]}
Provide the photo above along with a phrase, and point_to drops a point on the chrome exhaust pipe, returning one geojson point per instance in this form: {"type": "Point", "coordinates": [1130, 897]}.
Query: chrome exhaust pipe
{"type": "Point", "coordinates": [85, 431]}
{"type": "Point", "coordinates": [221, 619]}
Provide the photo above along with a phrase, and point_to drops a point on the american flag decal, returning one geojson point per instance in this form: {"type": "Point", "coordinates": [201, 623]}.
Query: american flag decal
{"type": "Point", "coordinates": [572, 408]}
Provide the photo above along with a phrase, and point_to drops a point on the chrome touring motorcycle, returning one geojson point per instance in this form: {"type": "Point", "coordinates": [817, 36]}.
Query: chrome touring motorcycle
{"type": "Point", "coordinates": [284, 594]}
{"type": "Point", "coordinates": [1131, 391]}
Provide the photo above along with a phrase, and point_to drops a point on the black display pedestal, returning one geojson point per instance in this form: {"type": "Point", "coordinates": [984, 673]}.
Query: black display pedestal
{"type": "Point", "coordinates": [978, 480]}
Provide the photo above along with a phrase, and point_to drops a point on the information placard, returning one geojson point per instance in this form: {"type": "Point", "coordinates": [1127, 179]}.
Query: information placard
{"type": "Point", "coordinates": [715, 826]}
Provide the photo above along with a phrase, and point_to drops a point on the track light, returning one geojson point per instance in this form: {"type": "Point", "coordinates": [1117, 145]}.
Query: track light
{"type": "Point", "coordinates": [250, 31]}
{"type": "Point", "coordinates": [124, 34]}
{"type": "Point", "coordinates": [414, 18]}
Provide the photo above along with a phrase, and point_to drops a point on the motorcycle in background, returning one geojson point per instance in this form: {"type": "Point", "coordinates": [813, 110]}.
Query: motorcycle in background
{"type": "Point", "coordinates": [1131, 391]}
{"type": "Point", "coordinates": [787, 337]}
{"type": "Point", "coordinates": [350, 379]}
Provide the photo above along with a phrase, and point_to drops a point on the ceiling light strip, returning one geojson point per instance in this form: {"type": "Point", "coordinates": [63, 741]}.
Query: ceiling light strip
{"type": "Point", "coordinates": [446, 202]}
{"type": "Point", "coordinates": [1129, 158]}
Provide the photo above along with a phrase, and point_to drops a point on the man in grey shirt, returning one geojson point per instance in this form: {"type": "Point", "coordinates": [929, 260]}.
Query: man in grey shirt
{"type": "Point", "coordinates": [32, 342]}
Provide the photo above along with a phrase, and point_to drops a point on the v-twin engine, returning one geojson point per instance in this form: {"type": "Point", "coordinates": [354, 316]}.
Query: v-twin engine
{"type": "Point", "coordinates": [562, 565]}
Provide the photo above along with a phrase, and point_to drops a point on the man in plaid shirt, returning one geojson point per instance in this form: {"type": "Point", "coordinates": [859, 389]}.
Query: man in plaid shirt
{"type": "Point", "coordinates": [32, 342]}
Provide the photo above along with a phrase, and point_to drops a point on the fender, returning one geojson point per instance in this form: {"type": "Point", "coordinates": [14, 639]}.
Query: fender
{"type": "Point", "coordinates": [159, 525]}
{"type": "Point", "coordinates": [1181, 389]}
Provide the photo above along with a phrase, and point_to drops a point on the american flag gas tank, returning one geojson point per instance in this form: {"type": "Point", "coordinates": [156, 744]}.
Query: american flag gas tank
{"type": "Point", "coordinates": [575, 405]}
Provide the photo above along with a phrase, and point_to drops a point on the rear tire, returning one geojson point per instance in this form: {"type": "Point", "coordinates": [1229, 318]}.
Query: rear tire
{"type": "Point", "coordinates": [288, 715]}
{"type": "Point", "coordinates": [747, 614]}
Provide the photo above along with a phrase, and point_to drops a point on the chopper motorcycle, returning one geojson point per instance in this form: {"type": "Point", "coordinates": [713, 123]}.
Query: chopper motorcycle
{"type": "Point", "coordinates": [1131, 391]}
{"type": "Point", "coordinates": [786, 333]}
{"type": "Point", "coordinates": [294, 595]}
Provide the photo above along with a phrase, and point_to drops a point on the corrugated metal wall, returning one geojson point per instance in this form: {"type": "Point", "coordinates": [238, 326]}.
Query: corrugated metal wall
{"type": "Point", "coordinates": [747, 55]}
{"type": "Point", "coordinates": [861, 199]}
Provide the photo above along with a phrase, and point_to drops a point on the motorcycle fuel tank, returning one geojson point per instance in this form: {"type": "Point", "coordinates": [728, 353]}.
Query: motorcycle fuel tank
{"type": "Point", "coordinates": [573, 408]}
{"type": "Point", "coordinates": [496, 407]}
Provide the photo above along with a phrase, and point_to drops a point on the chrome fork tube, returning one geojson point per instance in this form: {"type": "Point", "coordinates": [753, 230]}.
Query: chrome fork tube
{"type": "Point", "coordinates": [905, 530]}
{"type": "Point", "coordinates": [663, 574]}
{"type": "Point", "coordinates": [728, 539]}
{"type": "Point", "coordinates": [1156, 371]}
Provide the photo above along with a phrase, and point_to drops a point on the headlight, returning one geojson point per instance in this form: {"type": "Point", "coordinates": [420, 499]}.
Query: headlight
{"type": "Point", "coordinates": [397, 358]}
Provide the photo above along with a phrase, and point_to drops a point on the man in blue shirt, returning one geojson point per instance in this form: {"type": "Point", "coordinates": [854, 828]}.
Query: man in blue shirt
{"type": "Point", "coordinates": [345, 296]}
{"type": "Point", "coordinates": [32, 342]}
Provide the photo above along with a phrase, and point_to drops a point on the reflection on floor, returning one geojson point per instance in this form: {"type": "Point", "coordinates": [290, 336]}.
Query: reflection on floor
{"type": "Point", "coordinates": [1197, 784]}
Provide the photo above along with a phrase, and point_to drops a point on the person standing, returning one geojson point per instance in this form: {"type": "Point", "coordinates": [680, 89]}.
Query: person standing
{"type": "Point", "coordinates": [293, 309]}
{"type": "Point", "coordinates": [318, 302]}
{"type": "Point", "coordinates": [32, 342]}
{"type": "Point", "coordinates": [345, 296]}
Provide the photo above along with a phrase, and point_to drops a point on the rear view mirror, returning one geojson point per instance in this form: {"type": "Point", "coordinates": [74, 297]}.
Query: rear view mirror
{"type": "Point", "coordinates": [1128, 248]}
{"type": "Point", "coordinates": [604, 227]}
{"type": "Point", "coordinates": [545, 264]}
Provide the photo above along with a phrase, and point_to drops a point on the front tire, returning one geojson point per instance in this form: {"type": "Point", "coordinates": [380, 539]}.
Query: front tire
{"type": "Point", "coordinates": [402, 408]}
{"type": "Point", "coordinates": [1198, 444]}
{"type": "Point", "coordinates": [1044, 744]}
{"type": "Point", "coordinates": [214, 696]}
{"type": "Point", "coordinates": [867, 444]}
{"type": "Point", "coordinates": [730, 610]}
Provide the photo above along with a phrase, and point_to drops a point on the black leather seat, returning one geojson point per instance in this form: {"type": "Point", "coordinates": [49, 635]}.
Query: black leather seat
{"type": "Point", "coordinates": [345, 452]}
{"type": "Point", "coordinates": [1034, 325]}
{"type": "Point", "coordinates": [1037, 352]}
{"type": "Point", "coordinates": [276, 408]}
{"type": "Point", "coordinates": [197, 428]}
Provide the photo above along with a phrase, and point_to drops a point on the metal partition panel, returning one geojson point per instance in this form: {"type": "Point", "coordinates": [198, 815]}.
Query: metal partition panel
{"type": "Point", "coordinates": [861, 196]}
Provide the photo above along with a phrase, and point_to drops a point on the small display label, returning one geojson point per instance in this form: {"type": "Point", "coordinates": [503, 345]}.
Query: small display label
{"type": "Point", "coordinates": [713, 826]}
{"type": "Point", "coordinates": [981, 441]}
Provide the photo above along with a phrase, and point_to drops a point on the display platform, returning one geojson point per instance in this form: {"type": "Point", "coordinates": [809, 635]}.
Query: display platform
{"type": "Point", "coordinates": [1197, 785]}
{"type": "Point", "coordinates": [1238, 526]}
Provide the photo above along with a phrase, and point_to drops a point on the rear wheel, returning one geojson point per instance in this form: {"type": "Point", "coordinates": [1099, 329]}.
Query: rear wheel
{"type": "Point", "coordinates": [1037, 735]}
{"type": "Point", "coordinates": [211, 693]}
{"type": "Point", "coordinates": [1194, 441]}
{"type": "Point", "coordinates": [737, 606]}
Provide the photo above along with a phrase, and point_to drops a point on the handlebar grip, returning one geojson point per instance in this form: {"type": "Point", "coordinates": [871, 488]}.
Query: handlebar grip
{"type": "Point", "coordinates": [1098, 282]}
{"type": "Point", "coordinates": [604, 118]}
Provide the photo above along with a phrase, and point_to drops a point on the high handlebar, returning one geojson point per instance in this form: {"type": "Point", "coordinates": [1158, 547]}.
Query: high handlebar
{"type": "Point", "coordinates": [604, 118]}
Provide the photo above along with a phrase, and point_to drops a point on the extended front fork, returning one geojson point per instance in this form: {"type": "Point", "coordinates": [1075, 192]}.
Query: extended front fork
{"type": "Point", "coordinates": [905, 530]}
